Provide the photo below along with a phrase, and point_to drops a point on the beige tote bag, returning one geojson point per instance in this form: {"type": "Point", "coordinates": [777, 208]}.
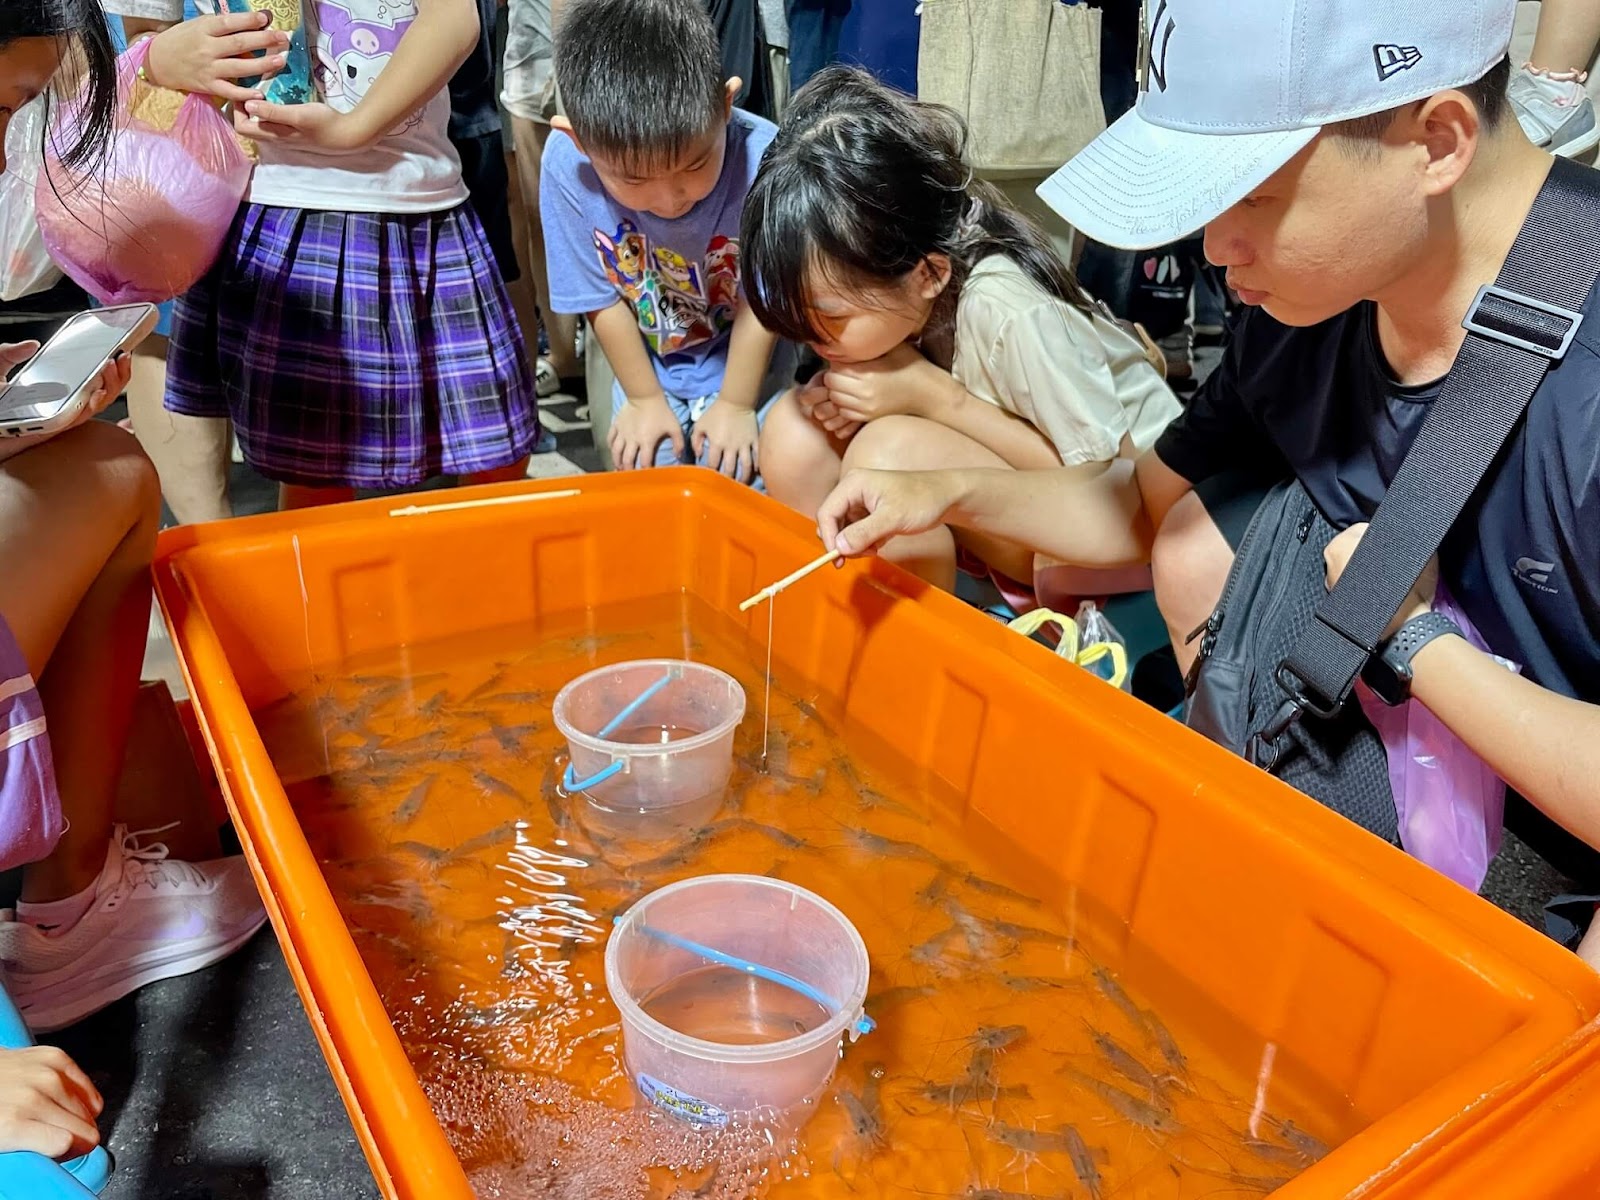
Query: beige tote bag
{"type": "Point", "coordinates": [1025, 74]}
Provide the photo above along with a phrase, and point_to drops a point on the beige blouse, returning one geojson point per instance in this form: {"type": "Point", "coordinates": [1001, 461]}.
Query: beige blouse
{"type": "Point", "coordinates": [1082, 382]}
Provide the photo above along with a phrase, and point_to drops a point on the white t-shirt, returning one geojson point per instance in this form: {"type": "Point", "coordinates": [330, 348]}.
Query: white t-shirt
{"type": "Point", "coordinates": [1081, 381]}
{"type": "Point", "coordinates": [414, 169]}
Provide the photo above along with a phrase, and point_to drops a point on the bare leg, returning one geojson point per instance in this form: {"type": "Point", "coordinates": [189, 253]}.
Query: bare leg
{"type": "Point", "coordinates": [78, 520]}
{"type": "Point", "coordinates": [294, 495]}
{"type": "Point", "coordinates": [190, 453]}
{"type": "Point", "coordinates": [800, 461]}
{"type": "Point", "coordinates": [1191, 560]}
{"type": "Point", "coordinates": [1567, 35]}
{"type": "Point", "coordinates": [915, 444]}
{"type": "Point", "coordinates": [528, 137]}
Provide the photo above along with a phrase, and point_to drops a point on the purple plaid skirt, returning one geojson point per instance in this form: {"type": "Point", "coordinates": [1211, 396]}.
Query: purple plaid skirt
{"type": "Point", "coordinates": [30, 808]}
{"type": "Point", "coordinates": [357, 349]}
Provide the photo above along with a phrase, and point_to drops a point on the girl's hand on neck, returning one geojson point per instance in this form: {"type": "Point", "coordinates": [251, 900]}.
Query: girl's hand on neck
{"type": "Point", "coordinates": [901, 383]}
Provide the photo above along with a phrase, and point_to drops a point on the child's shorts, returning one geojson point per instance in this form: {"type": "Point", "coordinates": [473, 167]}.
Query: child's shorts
{"type": "Point", "coordinates": [688, 411]}
{"type": "Point", "coordinates": [30, 808]}
{"type": "Point", "coordinates": [362, 350]}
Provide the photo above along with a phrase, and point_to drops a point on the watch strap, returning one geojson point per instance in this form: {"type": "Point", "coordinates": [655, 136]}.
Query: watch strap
{"type": "Point", "coordinates": [1410, 638]}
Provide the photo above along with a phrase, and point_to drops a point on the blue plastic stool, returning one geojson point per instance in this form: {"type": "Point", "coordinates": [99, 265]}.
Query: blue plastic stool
{"type": "Point", "coordinates": [26, 1176]}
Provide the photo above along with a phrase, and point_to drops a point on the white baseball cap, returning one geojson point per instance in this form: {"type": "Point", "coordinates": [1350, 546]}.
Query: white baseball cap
{"type": "Point", "coordinates": [1231, 90]}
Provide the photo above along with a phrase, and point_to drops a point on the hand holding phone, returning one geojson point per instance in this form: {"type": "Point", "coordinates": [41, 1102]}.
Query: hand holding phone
{"type": "Point", "coordinates": [80, 371]}
{"type": "Point", "coordinates": [113, 380]}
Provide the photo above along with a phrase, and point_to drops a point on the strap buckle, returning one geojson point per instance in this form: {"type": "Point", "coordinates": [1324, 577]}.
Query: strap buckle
{"type": "Point", "coordinates": [1303, 696]}
{"type": "Point", "coordinates": [1266, 748]}
{"type": "Point", "coordinates": [1530, 329]}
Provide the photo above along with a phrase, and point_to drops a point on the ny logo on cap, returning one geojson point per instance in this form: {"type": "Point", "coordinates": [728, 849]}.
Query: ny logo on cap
{"type": "Point", "coordinates": [1155, 40]}
{"type": "Point", "coordinates": [1392, 60]}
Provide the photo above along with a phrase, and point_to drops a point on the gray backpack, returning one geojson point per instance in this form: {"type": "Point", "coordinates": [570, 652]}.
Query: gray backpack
{"type": "Point", "coordinates": [1280, 656]}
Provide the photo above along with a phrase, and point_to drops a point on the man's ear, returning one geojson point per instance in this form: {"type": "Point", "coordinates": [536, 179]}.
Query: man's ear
{"type": "Point", "coordinates": [1449, 128]}
{"type": "Point", "coordinates": [730, 90]}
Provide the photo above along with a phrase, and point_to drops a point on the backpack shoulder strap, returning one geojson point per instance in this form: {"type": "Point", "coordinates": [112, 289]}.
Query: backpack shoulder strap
{"type": "Point", "coordinates": [1517, 329]}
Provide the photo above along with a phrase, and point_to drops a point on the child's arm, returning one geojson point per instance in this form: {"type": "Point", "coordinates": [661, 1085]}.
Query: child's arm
{"type": "Point", "coordinates": [902, 381]}
{"type": "Point", "coordinates": [211, 54]}
{"type": "Point", "coordinates": [645, 417]}
{"type": "Point", "coordinates": [728, 432]}
{"type": "Point", "coordinates": [439, 40]}
{"type": "Point", "coordinates": [134, 28]}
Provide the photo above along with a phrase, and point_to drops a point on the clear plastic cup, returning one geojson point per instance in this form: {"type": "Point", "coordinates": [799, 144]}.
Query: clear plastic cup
{"type": "Point", "coordinates": [665, 765]}
{"type": "Point", "coordinates": [736, 1045]}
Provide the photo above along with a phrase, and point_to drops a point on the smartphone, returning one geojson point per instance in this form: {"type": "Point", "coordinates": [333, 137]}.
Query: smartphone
{"type": "Point", "coordinates": [49, 392]}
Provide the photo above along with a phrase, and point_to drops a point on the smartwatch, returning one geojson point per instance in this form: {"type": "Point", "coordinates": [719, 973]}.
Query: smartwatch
{"type": "Point", "coordinates": [1389, 672]}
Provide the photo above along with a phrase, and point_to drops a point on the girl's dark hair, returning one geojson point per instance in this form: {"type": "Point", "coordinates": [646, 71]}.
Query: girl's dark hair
{"type": "Point", "coordinates": [863, 182]}
{"type": "Point", "coordinates": [81, 24]}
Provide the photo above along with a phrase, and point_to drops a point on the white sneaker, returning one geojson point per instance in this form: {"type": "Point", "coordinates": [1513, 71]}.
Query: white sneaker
{"type": "Point", "coordinates": [152, 918]}
{"type": "Point", "coordinates": [1554, 110]}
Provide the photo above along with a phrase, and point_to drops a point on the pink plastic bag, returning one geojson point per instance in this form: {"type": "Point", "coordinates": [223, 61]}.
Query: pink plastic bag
{"type": "Point", "coordinates": [1451, 805]}
{"type": "Point", "coordinates": [146, 222]}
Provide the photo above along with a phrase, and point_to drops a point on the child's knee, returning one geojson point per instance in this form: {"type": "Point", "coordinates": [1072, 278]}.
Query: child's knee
{"type": "Point", "coordinates": [887, 444]}
{"type": "Point", "coordinates": [132, 487]}
{"type": "Point", "coordinates": [792, 450]}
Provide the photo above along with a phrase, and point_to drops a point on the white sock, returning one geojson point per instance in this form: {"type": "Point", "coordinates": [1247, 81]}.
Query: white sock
{"type": "Point", "coordinates": [58, 916]}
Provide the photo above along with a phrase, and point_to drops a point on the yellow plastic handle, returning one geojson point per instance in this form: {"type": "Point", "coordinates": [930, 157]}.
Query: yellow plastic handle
{"type": "Point", "coordinates": [1030, 623]}
{"type": "Point", "coordinates": [1119, 660]}
{"type": "Point", "coordinates": [1086, 656]}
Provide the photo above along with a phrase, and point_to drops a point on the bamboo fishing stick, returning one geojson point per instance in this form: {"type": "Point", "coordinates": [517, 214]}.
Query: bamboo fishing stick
{"type": "Point", "coordinates": [417, 510]}
{"type": "Point", "coordinates": [767, 593]}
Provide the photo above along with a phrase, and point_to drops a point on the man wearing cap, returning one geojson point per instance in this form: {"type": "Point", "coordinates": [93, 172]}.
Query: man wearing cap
{"type": "Point", "coordinates": [1359, 175]}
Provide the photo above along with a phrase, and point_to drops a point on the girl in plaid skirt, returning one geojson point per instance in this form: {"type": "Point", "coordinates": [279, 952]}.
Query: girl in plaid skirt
{"type": "Point", "coordinates": [356, 327]}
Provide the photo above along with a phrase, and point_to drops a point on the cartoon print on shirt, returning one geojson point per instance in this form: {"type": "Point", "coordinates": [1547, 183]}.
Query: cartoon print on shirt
{"type": "Point", "coordinates": [678, 303]}
{"type": "Point", "coordinates": [622, 256]}
{"type": "Point", "coordinates": [677, 272]}
{"type": "Point", "coordinates": [644, 307]}
{"type": "Point", "coordinates": [722, 273]}
{"type": "Point", "coordinates": [355, 40]}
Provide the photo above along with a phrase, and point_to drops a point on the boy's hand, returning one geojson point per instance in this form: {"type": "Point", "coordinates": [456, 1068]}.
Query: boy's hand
{"type": "Point", "coordinates": [870, 507]}
{"type": "Point", "coordinates": [210, 55]}
{"type": "Point", "coordinates": [638, 428]}
{"type": "Point", "coordinates": [315, 125]}
{"type": "Point", "coordinates": [725, 438]}
{"type": "Point", "coordinates": [901, 382]}
{"type": "Point", "coordinates": [814, 403]}
{"type": "Point", "coordinates": [47, 1104]}
{"type": "Point", "coordinates": [1420, 600]}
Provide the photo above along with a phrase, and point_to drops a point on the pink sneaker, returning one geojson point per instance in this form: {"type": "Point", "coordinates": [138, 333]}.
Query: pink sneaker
{"type": "Point", "coordinates": [152, 918]}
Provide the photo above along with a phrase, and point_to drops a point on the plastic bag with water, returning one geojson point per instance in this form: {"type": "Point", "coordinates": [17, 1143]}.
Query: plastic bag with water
{"type": "Point", "coordinates": [145, 223]}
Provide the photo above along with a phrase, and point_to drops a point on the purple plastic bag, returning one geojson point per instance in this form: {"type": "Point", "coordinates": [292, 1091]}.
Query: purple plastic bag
{"type": "Point", "coordinates": [148, 222]}
{"type": "Point", "coordinates": [1451, 805]}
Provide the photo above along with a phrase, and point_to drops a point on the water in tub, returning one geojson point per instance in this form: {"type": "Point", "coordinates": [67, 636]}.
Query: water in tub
{"type": "Point", "coordinates": [1016, 1053]}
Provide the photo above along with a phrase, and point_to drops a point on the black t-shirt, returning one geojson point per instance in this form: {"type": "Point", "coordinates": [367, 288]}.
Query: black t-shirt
{"type": "Point", "coordinates": [1523, 561]}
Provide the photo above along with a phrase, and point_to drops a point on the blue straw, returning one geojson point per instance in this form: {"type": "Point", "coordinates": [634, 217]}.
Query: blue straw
{"type": "Point", "coordinates": [638, 702]}
{"type": "Point", "coordinates": [864, 1024]}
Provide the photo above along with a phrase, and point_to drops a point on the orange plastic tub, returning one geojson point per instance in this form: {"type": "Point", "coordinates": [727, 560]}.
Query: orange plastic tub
{"type": "Point", "coordinates": [1441, 1019]}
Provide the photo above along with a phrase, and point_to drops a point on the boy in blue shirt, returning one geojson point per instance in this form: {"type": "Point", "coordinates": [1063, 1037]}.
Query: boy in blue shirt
{"type": "Point", "coordinates": [641, 200]}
